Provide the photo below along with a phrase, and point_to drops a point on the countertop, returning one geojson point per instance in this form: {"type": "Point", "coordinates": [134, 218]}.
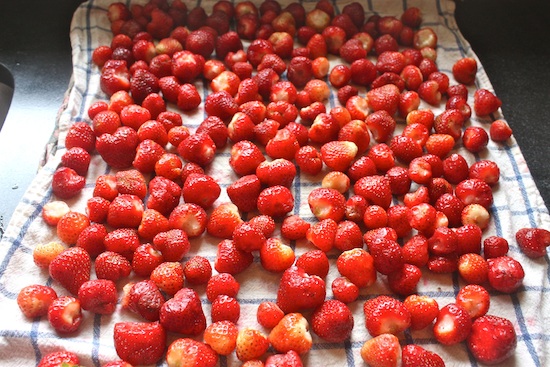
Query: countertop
{"type": "Point", "coordinates": [509, 37]}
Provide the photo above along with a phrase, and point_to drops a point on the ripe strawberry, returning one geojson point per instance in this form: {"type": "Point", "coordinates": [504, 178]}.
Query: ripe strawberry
{"type": "Point", "coordinates": [91, 239]}
{"type": "Point", "coordinates": [453, 324]}
{"type": "Point", "coordinates": [276, 256]}
{"type": "Point", "coordinates": [405, 280]}
{"type": "Point", "coordinates": [81, 135]}
{"type": "Point", "coordinates": [244, 192]}
{"type": "Point", "coordinates": [148, 152]}
{"type": "Point", "coordinates": [291, 333]}
{"type": "Point", "coordinates": [485, 102]}
{"type": "Point", "coordinates": [475, 299]}
{"type": "Point", "coordinates": [485, 170]}
{"type": "Point", "coordinates": [290, 358]}
{"type": "Point", "coordinates": [145, 259]}
{"type": "Point", "coordinates": [34, 300]}
{"type": "Point", "coordinates": [65, 315]}
{"type": "Point", "coordinates": [251, 344]}
{"type": "Point", "coordinates": [114, 77]}
{"type": "Point", "coordinates": [382, 351]}
{"type": "Point", "coordinates": [191, 218]}
{"type": "Point", "coordinates": [492, 339]}
{"type": "Point", "coordinates": [43, 254]}
{"type": "Point", "coordinates": [67, 183]}
{"type": "Point", "coordinates": [533, 241]}
{"type": "Point", "coordinates": [275, 201]}
{"type": "Point", "coordinates": [464, 70]}
{"type": "Point", "coordinates": [327, 203]}
{"type": "Point", "coordinates": [332, 321]}
{"type": "Point", "coordinates": [59, 359]}
{"type": "Point", "coordinates": [495, 246]}
{"type": "Point", "coordinates": [119, 148]}
{"type": "Point", "coordinates": [279, 171]}
{"type": "Point", "coordinates": [98, 296]}
{"type": "Point", "coordinates": [123, 241]}
{"type": "Point", "coordinates": [473, 268]}
{"type": "Point", "coordinates": [229, 259]}
{"type": "Point", "coordinates": [384, 98]}
{"type": "Point", "coordinates": [71, 268]}
{"type": "Point", "coordinates": [500, 131]}
{"type": "Point", "coordinates": [143, 298]}
{"type": "Point", "coordinates": [385, 314]}
{"type": "Point", "coordinates": [376, 189]}
{"type": "Point", "coordinates": [221, 336]}
{"type": "Point", "coordinates": [198, 148]}
{"type": "Point", "coordinates": [53, 211]}
{"type": "Point", "coordinates": [112, 266]}
{"type": "Point", "coordinates": [294, 227]}
{"type": "Point", "coordinates": [97, 209]}
{"type": "Point", "coordinates": [505, 274]}
{"type": "Point", "coordinates": [474, 191]}
{"type": "Point", "coordinates": [225, 308]}
{"type": "Point", "coordinates": [190, 352]}
{"type": "Point", "coordinates": [168, 276]}
{"type": "Point", "coordinates": [269, 314]}
{"type": "Point", "coordinates": [423, 310]}
{"type": "Point", "coordinates": [358, 266]}
{"type": "Point", "coordinates": [125, 211]}
{"type": "Point", "coordinates": [223, 220]}
{"type": "Point", "coordinates": [183, 313]}
{"type": "Point", "coordinates": [322, 234]}
{"type": "Point", "coordinates": [415, 355]}
{"type": "Point", "coordinates": [387, 255]}
{"type": "Point", "coordinates": [309, 160]}
{"type": "Point", "coordinates": [139, 342]}
{"type": "Point", "coordinates": [78, 159]}
{"type": "Point", "coordinates": [294, 285]}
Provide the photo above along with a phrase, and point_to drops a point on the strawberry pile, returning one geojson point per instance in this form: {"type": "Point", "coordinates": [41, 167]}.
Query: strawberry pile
{"type": "Point", "coordinates": [391, 199]}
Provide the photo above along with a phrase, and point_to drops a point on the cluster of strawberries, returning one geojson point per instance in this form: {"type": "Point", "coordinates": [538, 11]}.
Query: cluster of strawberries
{"type": "Point", "coordinates": [269, 99]}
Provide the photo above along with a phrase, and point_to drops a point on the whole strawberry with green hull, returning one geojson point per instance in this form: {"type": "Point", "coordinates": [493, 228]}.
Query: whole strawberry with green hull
{"type": "Point", "coordinates": [139, 343]}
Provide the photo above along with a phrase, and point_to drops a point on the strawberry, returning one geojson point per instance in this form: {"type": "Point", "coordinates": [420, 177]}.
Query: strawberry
{"type": "Point", "coordinates": [97, 209]}
{"type": "Point", "coordinates": [222, 284]}
{"type": "Point", "coordinates": [67, 183]}
{"type": "Point", "coordinates": [70, 226]}
{"type": "Point", "coordinates": [223, 220]}
{"type": "Point", "coordinates": [453, 324]}
{"type": "Point", "coordinates": [91, 239]}
{"type": "Point", "coordinates": [275, 201]}
{"type": "Point", "coordinates": [197, 270]}
{"type": "Point", "coordinates": [290, 359]}
{"type": "Point", "coordinates": [338, 155]}
{"type": "Point", "coordinates": [464, 70]}
{"type": "Point", "coordinates": [244, 192]}
{"type": "Point", "coordinates": [376, 189]}
{"type": "Point", "coordinates": [59, 359]}
{"type": "Point", "coordinates": [217, 130]}
{"type": "Point", "coordinates": [423, 310]}
{"type": "Point", "coordinates": [145, 259]}
{"type": "Point", "coordinates": [322, 234]}
{"type": "Point", "coordinates": [332, 321]}
{"type": "Point", "coordinates": [309, 160]}
{"type": "Point", "coordinates": [71, 268]}
{"type": "Point", "coordinates": [500, 131]}
{"type": "Point", "coordinates": [168, 276]}
{"type": "Point", "coordinates": [119, 148]}
{"type": "Point", "coordinates": [269, 314]}
{"type": "Point", "coordinates": [474, 191]}
{"type": "Point", "coordinates": [473, 268]}
{"type": "Point", "coordinates": [382, 351]}
{"type": "Point", "coordinates": [78, 159]}
{"type": "Point", "coordinates": [200, 189]}
{"type": "Point", "coordinates": [221, 104]}
{"type": "Point", "coordinates": [415, 251]}
{"type": "Point", "coordinates": [81, 135]}
{"type": "Point", "coordinates": [415, 355]}
{"type": "Point", "coordinates": [152, 223]}
{"type": "Point", "coordinates": [53, 211]}
{"type": "Point", "coordinates": [229, 259]}
{"type": "Point", "coordinates": [183, 313]}
{"type": "Point", "coordinates": [164, 195]}
{"type": "Point", "coordinates": [405, 280]}
{"type": "Point", "coordinates": [294, 227]}
{"type": "Point", "coordinates": [148, 152]}
{"type": "Point", "coordinates": [221, 336]}
{"type": "Point", "coordinates": [533, 241]}
{"type": "Point", "coordinates": [34, 300]}
{"type": "Point", "coordinates": [385, 314]}
{"type": "Point", "coordinates": [189, 352]}
{"type": "Point", "coordinates": [139, 342]}
{"type": "Point", "coordinates": [475, 299]}
{"type": "Point", "coordinates": [387, 255]}
{"type": "Point", "coordinates": [251, 344]}
{"type": "Point", "coordinates": [314, 262]}
{"type": "Point", "coordinates": [384, 98]}
{"type": "Point", "coordinates": [276, 256]}
{"type": "Point", "coordinates": [111, 265]}
{"type": "Point", "coordinates": [125, 211]}
{"type": "Point", "coordinates": [350, 261]}
{"type": "Point", "coordinates": [123, 241]}
{"type": "Point", "coordinates": [327, 203]}
{"type": "Point", "coordinates": [191, 218]}
{"type": "Point", "coordinates": [485, 102]}
{"type": "Point", "coordinates": [44, 253]}
{"type": "Point", "coordinates": [291, 333]}
{"type": "Point", "coordinates": [279, 171]}
{"type": "Point", "coordinates": [198, 148]}
{"type": "Point", "coordinates": [293, 287]}
{"type": "Point", "coordinates": [65, 315]}
{"type": "Point", "coordinates": [495, 246]}
{"type": "Point", "coordinates": [114, 77]}
{"type": "Point", "coordinates": [98, 296]}
{"type": "Point", "coordinates": [143, 298]}
{"type": "Point", "coordinates": [225, 307]}
{"type": "Point", "coordinates": [492, 339]}
{"type": "Point", "coordinates": [505, 274]}
{"type": "Point", "coordinates": [344, 290]}
{"type": "Point", "coordinates": [106, 187]}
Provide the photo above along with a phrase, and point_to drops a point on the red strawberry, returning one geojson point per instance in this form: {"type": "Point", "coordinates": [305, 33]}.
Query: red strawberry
{"type": "Point", "coordinates": [464, 70]}
{"type": "Point", "coordinates": [144, 298]}
{"type": "Point", "coordinates": [453, 324]}
{"type": "Point", "coordinates": [221, 104]}
{"type": "Point", "coordinates": [65, 314]}
{"type": "Point", "coordinates": [71, 268]}
{"type": "Point", "coordinates": [414, 355]}
{"type": "Point", "coordinates": [183, 313]}
{"type": "Point", "coordinates": [245, 157]}
{"type": "Point", "coordinates": [327, 203]}
{"type": "Point", "coordinates": [251, 344]}
{"type": "Point", "coordinates": [269, 314]}
{"type": "Point", "coordinates": [139, 342]}
{"type": "Point", "coordinates": [290, 359]}
{"type": "Point", "coordinates": [485, 102]}
{"type": "Point", "coordinates": [291, 333]}
{"type": "Point", "coordinates": [322, 234]}
{"type": "Point", "coordinates": [118, 149]}
{"type": "Point", "coordinates": [294, 227]}
{"type": "Point", "coordinates": [505, 274]}
{"type": "Point", "coordinates": [98, 296]}
{"type": "Point", "coordinates": [198, 148]}
{"type": "Point", "coordinates": [276, 256]}
{"type": "Point", "coordinates": [59, 359]}
{"type": "Point", "coordinates": [168, 276]}
{"type": "Point", "coordinates": [376, 189]}
{"type": "Point", "coordinates": [244, 192]}
{"type": "Point", "coordinates": [143, 83]}
{"type": "Point", "coordinates": [387, 255]}
{"type": "Point", "coordinates": [197, 270]}
{"type": "Point", "coordinates": [405, 280]}
{"type": "Point", "coordinates": [190, 352]}
{"type": "Point", "coordinates": [358, 266]}
{"type": "Point", "coordinates": [106, 187]}
{"type": "Point", "coordinates": [164, 195]}
{"type": "Point", "coordinates": [382, 351]}
{"type": "Point", "coordinates": [309, 160]}
{"type": "Point", "coordinates": [299, 290]}
{"type": "Point", "coordinates": [70, 226]}
{"type": "Point", "coordinates": [332, 321]}
{"type": "Point", "coordinates": [123, 241]}
{"type": "Point", "coordinates": [78, 159]}
{"type": "Point", "coordinates": [492, 339]}
{"type": "Point", "coordinates": [80, 135]}
{"type": "Point", "coordinates": [145, 259]}
{"type": "Point", "coordinates": [125, 211]}
{"type": "Point", "coordinates": [97, 209]}
{"type": "Point", "coordinates": [225, 308]}
{"type": "Point", "coordinates": [275, 201]}
{"type": "Point", "coordinates": [191, 218]}
{"type": "Point", "coordinates": [222, 284]}
{"type": "Point", "coordinates": [223, 220]}
{"type": "Point", "coordinates": [200, 189]}
{"type": "Point", "coordinates": [34, 300]}
{"type": "Point", "coordinates": [279, 171]}
{"type": "Point", "coordinates": [423, 310]}
{"type": "Point", "coordinates": [148, 152]}
{"type": "Point", "coordinates": [385, 314]}
{"type": "Point", "coordinates": [283, 145]}
{"type": "Point", "coordinates": [91, 239]}
{"type": "Point", "coordinates": [314, 262]}
{"type": "Point", "coordinates": [67, 183]}
{"type": "Point", "coordinates": [475, 299]}
{"type": "Point", "coordinates": [344, 290]}
{"type": "Point", "coordinates": [533, 241]}
{"type": "Point", "coordinates": [221, 336]}
{"type": "Point", "coordinates": [384, 98]}
{"type": "Point", "coordinates": [111, 265]}
{"type": "Point", "coordinates": [115, 76]}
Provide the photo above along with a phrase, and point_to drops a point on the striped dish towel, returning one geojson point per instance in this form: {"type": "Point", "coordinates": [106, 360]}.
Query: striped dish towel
{"type": "Point", "coordinates": [517, 204]}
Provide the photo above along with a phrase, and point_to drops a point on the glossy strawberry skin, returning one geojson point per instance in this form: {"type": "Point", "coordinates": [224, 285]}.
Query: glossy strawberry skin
{"type": "Point", "coordinates": [139, 342]}
{"type": "Point", "coordinates": [71, 268]}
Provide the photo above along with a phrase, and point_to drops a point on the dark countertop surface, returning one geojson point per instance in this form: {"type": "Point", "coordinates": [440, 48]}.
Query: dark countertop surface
{"type": "Point", "coordinates": [510, 37]}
